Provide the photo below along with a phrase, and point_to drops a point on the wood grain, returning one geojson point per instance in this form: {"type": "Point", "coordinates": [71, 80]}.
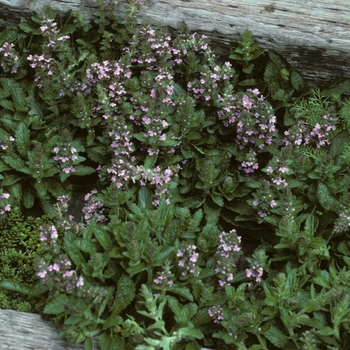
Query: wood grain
{"type": "Point", "coordinates": [26, 331]}
{"type": "Point", "coordinates": [312, 34]}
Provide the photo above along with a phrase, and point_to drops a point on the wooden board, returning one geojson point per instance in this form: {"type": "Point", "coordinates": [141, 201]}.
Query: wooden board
{"type": "Point", "coordinates": [312, 34]}
{"type": "Point", "coordinates": [26, 331]}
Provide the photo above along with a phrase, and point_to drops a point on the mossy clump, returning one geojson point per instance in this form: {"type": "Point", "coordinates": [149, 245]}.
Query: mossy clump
{"type": "Point", "coordinates": [20, 245]}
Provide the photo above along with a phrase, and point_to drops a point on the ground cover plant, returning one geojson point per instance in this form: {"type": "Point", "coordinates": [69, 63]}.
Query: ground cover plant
{"type": "Point", "coordinates": [190, 200]}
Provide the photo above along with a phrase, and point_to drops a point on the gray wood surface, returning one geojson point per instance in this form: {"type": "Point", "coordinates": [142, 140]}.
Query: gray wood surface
{"type": "Point", "coordinates": [312, 34]}
{"type": "Point", "coordinates": [25, 331]}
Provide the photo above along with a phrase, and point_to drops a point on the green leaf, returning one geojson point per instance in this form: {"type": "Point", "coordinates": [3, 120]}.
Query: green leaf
{"type": "Point", "coordinates": [103, 238]}
{"type": "Point", "coordinates": [325, 197]}
{"type": "Point", "coordinates": [338, 144]}
{"type": "Point", "coordinates": [217, 199]}
{"type": "Point", "coordinates": [111, 341]}
{"type": "Point", "coordinates": [276, 337]}
{"type": "Point", "coordinates": [28, 197]}
{"type": "Point", "coordinates": [125, 294]}
{"type": "Point", "coordinates": [54, 187]}
{"type": "Point", "coordinates": [72, 250]}
{"type": "Point", "coordinates": [190, 332]}
{"type": "Point", "coordinates": [22, 139]}
{"type": "Point", "coordinates": [57, 304]}
{"type": "Point", "coordinates": [17, 164]}
{"type": "Point", "coordinates": [19, 98]}
{"type": "Point", "coordinates": [82, 170]}
{"type": "Point", "coordinates": [193, 345]}
{"type": "Point", "coordinates": [182, 291]}
{"type": "Point", "coordinates": [7, 104]}
{"type": "Point", "coordinates": [171, 232]}
{"type": "Point", "coordinates": [145, 198]}
{"type": "Point", "coordinates": [41, 188]}
{"type": "Point", "coordinates": [10, 180]}
{"type": "Point", "coordinates": [296, 79]}
{"type": "Point", "coordinates": [322, 278]}
{"type": "Point", "coordinates": [20, 288]}
{"type": "Point", "coordinates": [182, 313]}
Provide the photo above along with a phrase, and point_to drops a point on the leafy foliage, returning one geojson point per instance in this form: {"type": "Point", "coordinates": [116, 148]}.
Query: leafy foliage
{"type": "Point", "coordinates": [216, 210]}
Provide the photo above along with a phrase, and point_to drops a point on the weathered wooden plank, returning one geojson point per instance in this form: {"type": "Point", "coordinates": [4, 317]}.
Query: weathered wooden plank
{"type": "Point", "coordinates": [26, 331]}
{"type": "Point", "coordinates": [312, 34]}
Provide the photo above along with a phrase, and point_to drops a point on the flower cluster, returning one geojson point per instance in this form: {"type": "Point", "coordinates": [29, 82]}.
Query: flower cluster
{"type": "Point", "coordinates": [59, 271]}
{"type": "Point", "coordinates": [342, 224]}
{"type": "Point", "coordinates": [9, 60]}
{"type": "Point", "coordinates": [66, 155]}
{"type": "Point", "coordinates": [206, 86]}
{"type": "Point", "coordinates": [164, 278]}
{"type": "Point", "coordinates": [188, 258]}
{"type": "Point", "coordinates": [255, 271]}
{"type": "Point", "coordinates": [264, 198]}
{"type": "Point", "coordinates": [228, 253]}
{"type": "Point", "coordinates": [93, 208]}
{"type": "Point", "coordinates": [6, 142]}
{"type": "Point", "coordinates": [43, 65]}
{"type": "Point", "coordinates": [303, 133]}
{"type": "Point", "coordinates": [253, 121]}
{"type": "Point", "coordinates": [50, 30]}
{"type": "Point", "coordinates": [216, 312]}
{"type": "Point", "coordinates": [250, 164]}
{"type": "Point", "coordinates": [65, 159]}
{"type": "Point", "coordinates": [5, 206]}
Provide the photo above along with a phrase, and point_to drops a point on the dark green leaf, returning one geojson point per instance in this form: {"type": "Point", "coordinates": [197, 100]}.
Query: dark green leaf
{"type": "Point", "coordinates": [276, 337]}
{"type": "Point", "coordinates": [7, 104]}
{"type": "Point", "coordinates": [125, 294]}
{"type": "Point", "coordinates": [325, 197]}
{"type": "Point", "coordinates": [338, 144]}
{"type": "Point", "coordinates": [183, 291]}
{"type": "Point", "coordinates": [82, 170]}
{"type": "Point", "coordinates": [22, 139]}
{"type": "Point", "coordinates": [17, 164]}
{"type": "Point", "coordinates": [103, 237]}
{"type": "Point", "coordinates": [56, 305]}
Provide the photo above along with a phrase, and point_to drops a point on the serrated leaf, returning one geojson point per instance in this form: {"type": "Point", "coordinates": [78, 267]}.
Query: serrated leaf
{"type": "Point", "coordinates": [111, 341]}
{"type": "Point", "coordinates": [7, 104]}
{"type": "Point", "coordinates": [10, 180]}
{"type": "Point", "coordinates": [325, 197]}
{"type": "Point", "coordinates": [82, 170]}
{"type": "Point", "coordinates": [182, 313]}
{"type": "Point", "coordinates": [28, 197]}
{"type": "Point", "coordinates": [182, 291]}
{"type": "Point", "coordinates": [41, 189]}
{"type": "Point", "coordinates": [22, 139]}
{"type": "Point", "coordinates": [145, 198]}
{"type": "Point", "coordinates": [338, 144]}
{"type": "Point", "coordinates": [19, 99]}
{"type": "Point", "coordinates": [54, 187]}
{"type": "Point", "coordinates": [72, 250]}
{"type": "Point", "coordinates": [276, 337]}
{"type": "Point", "coordinates": [17, 164]}
{"type": "Point", "coordinates": [296, 79]}
{"type": "Point", "coordinates": [20, 288]}
{"type": "Point", "coordinates": [103, 238]}
{"type": "Point", "coordinates": [125, 294]}
{"type": "Point", "coordinates": [56, 305]}
{"type": "Point", "coordinates": [193, 345]}
{"type": "Point", "coordinates": [189, 332]}
{"type": "Point", "coordinates": [217, 199]}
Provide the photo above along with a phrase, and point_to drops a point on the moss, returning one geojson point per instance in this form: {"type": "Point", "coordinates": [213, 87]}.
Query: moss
{"type": "Point", "coordinates": [20, 245]}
